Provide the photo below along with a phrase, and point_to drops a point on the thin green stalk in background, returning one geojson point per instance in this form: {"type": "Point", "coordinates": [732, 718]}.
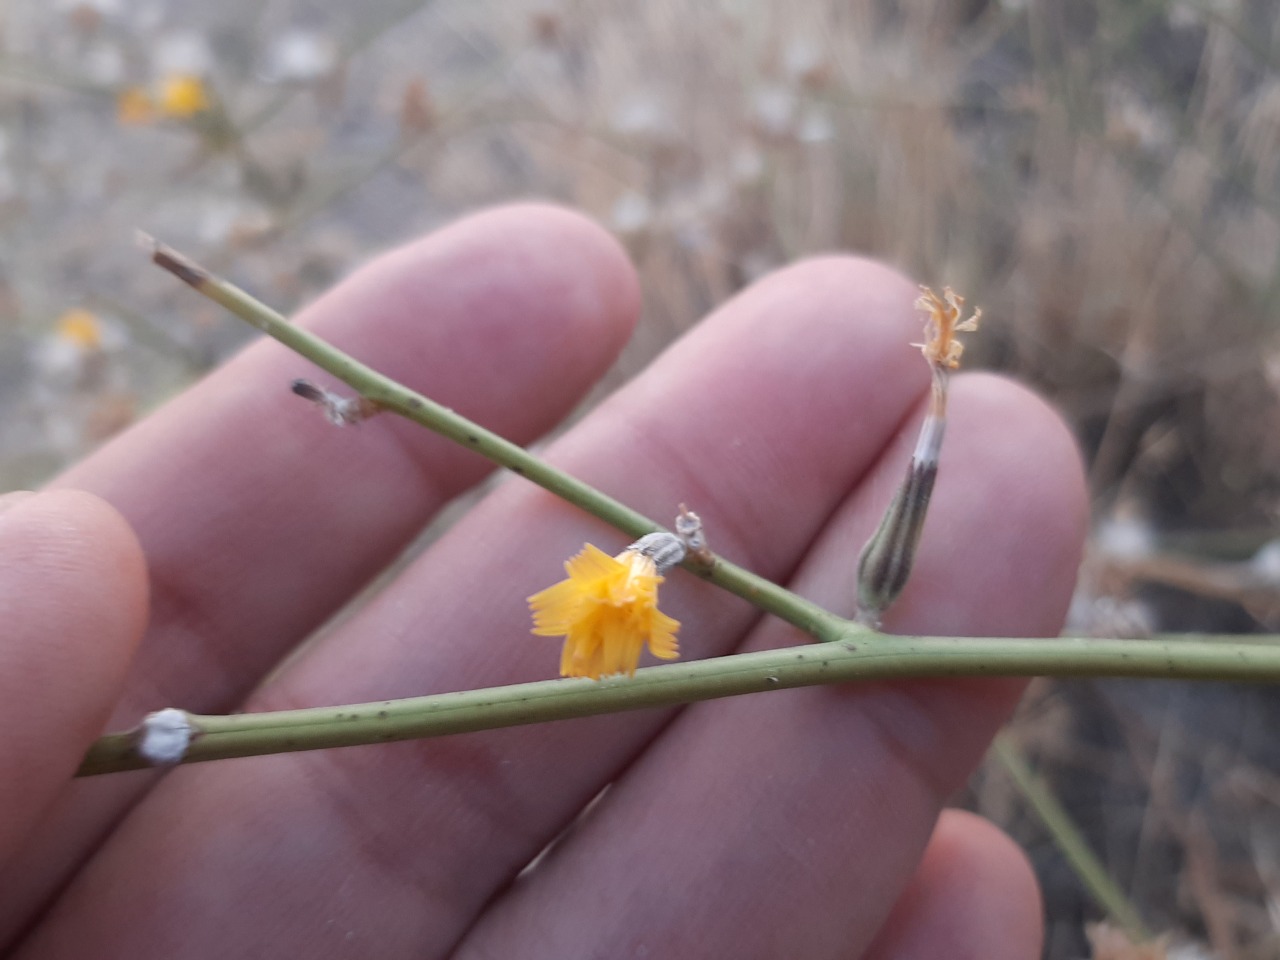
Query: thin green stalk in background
{"type": "Point", "coordinates": [1070, 841]}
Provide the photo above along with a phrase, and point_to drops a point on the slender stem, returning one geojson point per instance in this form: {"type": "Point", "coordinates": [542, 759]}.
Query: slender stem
{"type": "Point", "coordinates": [1071, 842]}
{"type": "Point", "coordinates": [392, 396]}
{"type": "Point", "coordinates": [857, 656]}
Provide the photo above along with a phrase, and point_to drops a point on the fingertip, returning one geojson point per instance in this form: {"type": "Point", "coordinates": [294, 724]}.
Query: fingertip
{"type": "Point", "coordinates": [847, 281]}
{"type": "Point", "coordinates": [79, 543]}
{"type": "Point", "coordinates": [73, 598]}
{"type": "Point", "coordinates": [589, 257]}
{"type": "Point", "coordinates": [579, 266]}
{"type": "Point", "coordinates": [974, 895]}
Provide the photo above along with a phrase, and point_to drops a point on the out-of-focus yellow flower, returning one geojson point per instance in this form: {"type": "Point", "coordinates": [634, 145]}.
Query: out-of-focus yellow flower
{"type": "Point", "coordinates": [182, 96]}
{"type": "Point", "coordinates": [80, 328]}
{"type": "Point", "coordinates": [941, 347]}
{"type": "Point", "coordinates": [135, 107]}
{"type": "Point", "coordinates": [607, 610]}
{"type": "Point", "coordinates": [179, 96]}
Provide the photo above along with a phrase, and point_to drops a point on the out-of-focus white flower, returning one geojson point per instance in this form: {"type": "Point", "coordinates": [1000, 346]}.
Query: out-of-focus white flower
{"type": "Point", "coordinates": [61, 357]}
{"type": "Point", "coordinates": [816, 126]}
{"type": "Point", "coordinates": [1265, 564]}
{"type": "Point", "coordinates": [1094, 616]}
{"type": "Point", "coordinates": [632, 213]}
{"type": "Point", "coordinates": [1134, 120]}
{"type": "Point", "coordinates": [1188, 950]}
{"type": "Point", "coordinates": [802, 58]}
{"type": "Point", "coordinates": [1196, 14]}
{"type": "Point", "coordinates": [746, 166]}
{"type": "Point", "coordinates": [774, 107]}
{"type": "Point", "coordinates": [1124, 539]}
{"type": "Point", "coordinates": [103, 63]}
{"type": "Point", "coordinates": [300, 55]}
{"type": "Point", "coordinates": [182, 52]}
{"type": "Point", "coordinates": [643, 115]}
{"type": "Point", "coordinates": [105, 8]}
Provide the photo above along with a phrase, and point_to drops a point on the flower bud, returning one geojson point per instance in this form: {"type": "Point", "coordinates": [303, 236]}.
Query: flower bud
{"type": "Point", "coordinates": [887, 558]}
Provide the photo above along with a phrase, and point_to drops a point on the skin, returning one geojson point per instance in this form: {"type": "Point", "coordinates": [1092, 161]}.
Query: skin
{"type": "Point", "coordinates": [804, 824]}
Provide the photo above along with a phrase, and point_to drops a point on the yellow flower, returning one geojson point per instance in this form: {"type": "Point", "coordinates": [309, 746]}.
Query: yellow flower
{"type": "Point", "coordinates": [941, 348]}
{"type": "Point", "coordinates": [80, 328]}
{"type": "Point", "coordinates": [607, 610]}
{"type": "Point", "coordinates": [183, 96]}
{"type": "Point", "coordinates": [179, 96]}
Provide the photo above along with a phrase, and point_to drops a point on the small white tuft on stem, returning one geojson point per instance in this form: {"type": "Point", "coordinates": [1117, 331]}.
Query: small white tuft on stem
{"type": "Point", "coordinates": [338, 410]}
{"type": "Point", "coordinates": [164, 736]}
{"type": "Point", "coordinates": [689, 530]}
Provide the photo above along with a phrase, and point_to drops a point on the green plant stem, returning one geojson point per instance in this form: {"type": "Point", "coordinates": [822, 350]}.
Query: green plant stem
{"type": "Point", "coordinates": [390, 395]}
{"type": "Point", "coordinates": [857, 656]}
{"type": "Point", "coordinates": [853, 653]}
{"type": "Point", "coordinates": [1071, 842]}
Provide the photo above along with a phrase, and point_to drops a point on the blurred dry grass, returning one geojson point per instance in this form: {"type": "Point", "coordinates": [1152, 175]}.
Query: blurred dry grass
{"type": "Point", "coordinates": [1101, 177]}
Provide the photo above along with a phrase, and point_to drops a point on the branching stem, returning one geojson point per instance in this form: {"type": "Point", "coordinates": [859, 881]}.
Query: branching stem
{"type": "Point", "coordinates": [392, 396]}
{"type": "Point", "coordinates": [853, 653]}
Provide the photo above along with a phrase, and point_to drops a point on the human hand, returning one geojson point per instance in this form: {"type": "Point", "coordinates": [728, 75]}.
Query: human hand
{"type": "Point", "coordinates": [799, 824]}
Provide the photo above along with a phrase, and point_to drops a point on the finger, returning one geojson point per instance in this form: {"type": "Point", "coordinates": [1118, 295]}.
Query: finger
{"type": "Point", "coordinates": [973, 897]}
{"type": "Point", "coordinates": [763, 416]}
{"type": "Point", "coordinates": [807, 811]}
{"type": "Point", "coordinates": [259, 519]}
{"type": "Point", "coordinates": [73, 602]}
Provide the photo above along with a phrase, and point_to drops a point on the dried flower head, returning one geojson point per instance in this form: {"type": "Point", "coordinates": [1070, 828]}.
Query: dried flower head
{"type": "Point", "coordinates": [606, 610]}
{"type": "Point", "coordinates": [941, 348]}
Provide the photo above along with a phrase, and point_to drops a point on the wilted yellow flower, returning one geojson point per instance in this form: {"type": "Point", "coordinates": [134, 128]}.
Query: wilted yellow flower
{"type": "Point", "coordinates": [941, 348]}
{"type": "Point", "coordinates": [134, 106]}
{"type": "Point", "coordinates": [80, 328]}
{"type": "Point", "coordinates": [183, 96]}
{"type": "Point", "coordinates": [607, 610]}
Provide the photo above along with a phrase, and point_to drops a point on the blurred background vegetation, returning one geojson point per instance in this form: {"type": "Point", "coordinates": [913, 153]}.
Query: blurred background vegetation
{"type": "Point", "coordinates": [1100, 176]}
